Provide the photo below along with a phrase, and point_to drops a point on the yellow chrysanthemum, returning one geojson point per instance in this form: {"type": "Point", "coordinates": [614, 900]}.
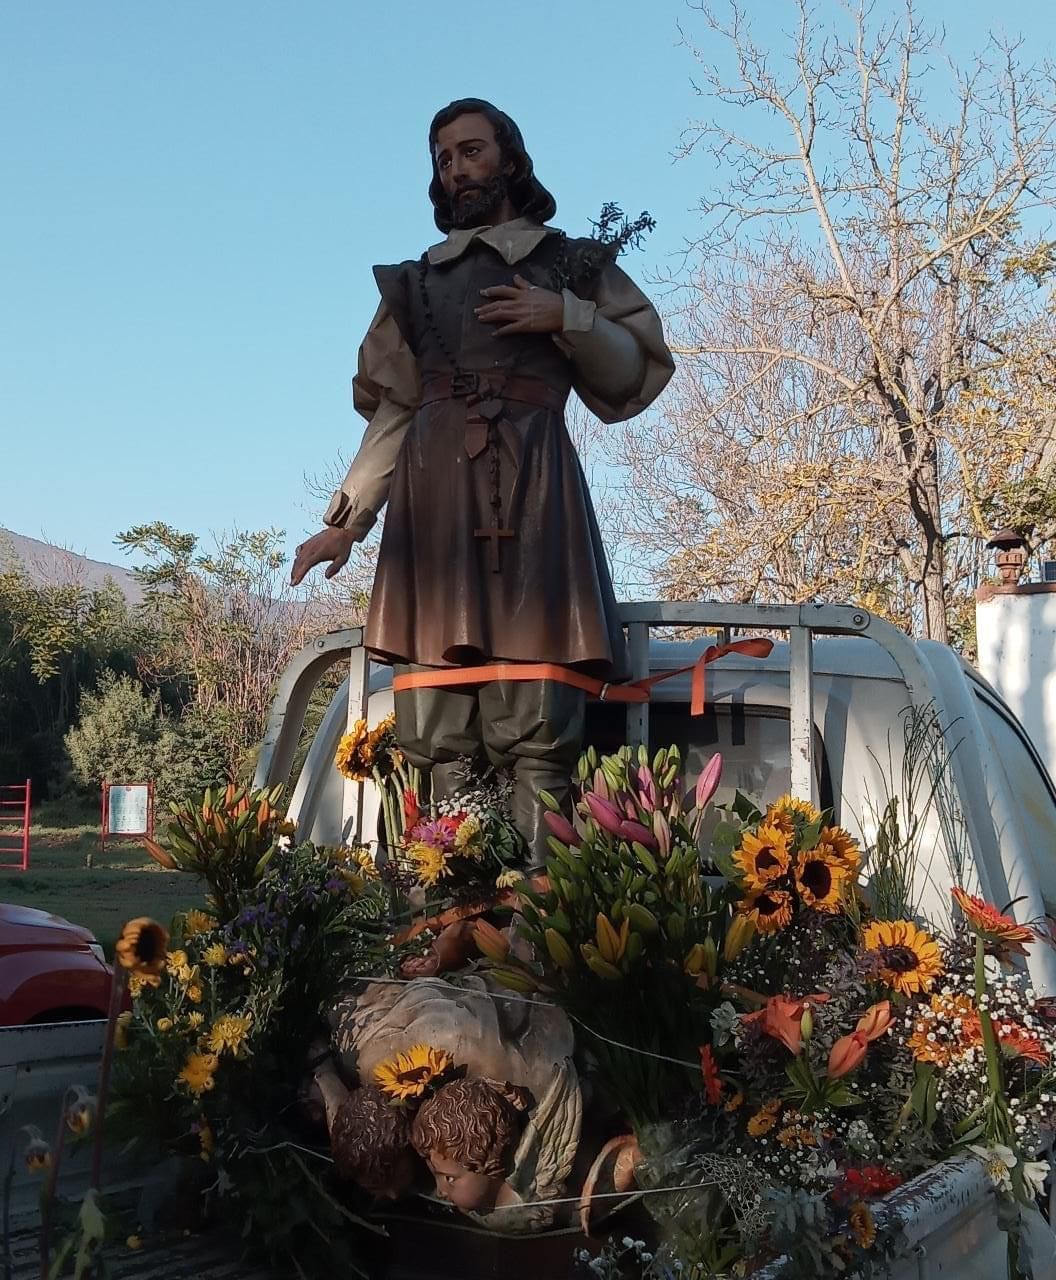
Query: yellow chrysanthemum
{"type": "Point", "coordinates": [165, 1024]}
{"type": "Point", "coordinates": [177, 964]}
{"type": "Point", "coordinates": [769, 910]}
{"type": "Point", "coordinates": [198, 1071]}
{"type": "Point", "coordinates": [196, 922]}
{"type": "Point", "coordinates": [194, 993]}
{"type": "Point", "coordinates": [820, 879]}
{"type": "Point", "coordinates": [215, 955]}
{"type": "Point", "coordinates": [863, 1228]}
{"type": "Point", "coordinates": [784, 811]}
{"type": "Point", "coordinates": [909, 958]}
{"type": "Point", "coordinates": [142, 946]}
{"type": "Point", "coordinates": [121, 1028]}
{"type": "Point", "coordinates": [763, 857]}
{"type": "Point", "coordinates": [508, 879]}
{"type": "Point", "coordinates": [409, 1074]}
{"type": "Point", "coordinates": [430, 865]}
{"type": "Point", "coordinates": [765, 1118]}
{"type": "Point", "coordinates": [195, 1019]}
{"type": "Point", "coordinates": [468, 840]}
{"type": "Point", "coordinates": [228, 1033]}
{"type": "Point", "coordinates": [140, 982]}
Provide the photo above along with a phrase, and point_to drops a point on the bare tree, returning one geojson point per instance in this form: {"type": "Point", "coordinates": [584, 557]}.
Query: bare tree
{"type": "Point", "coordinates": [853, 340]}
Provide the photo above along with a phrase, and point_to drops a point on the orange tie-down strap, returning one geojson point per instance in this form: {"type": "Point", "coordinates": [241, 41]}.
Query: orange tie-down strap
{"type": "Point", "coordinates": [636, 691]}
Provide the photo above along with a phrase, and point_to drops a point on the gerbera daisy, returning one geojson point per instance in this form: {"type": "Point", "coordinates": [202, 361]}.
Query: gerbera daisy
{"type": "Point", "coordinates": [763, 856]}
{"type": "Point", "coordinates": [769, 910]}
{"type": "Point", "coordinates": [796, 1135]}
{"type": "Point", "coordinates": [820, 877]}
{"type": "Point", "coordinates": [1007, 937]}
{"type": "Point", "coordinates": [142, 946]}
{"type": "Point", "coordinates": [1020, 1042]}
{"type": "Point", "coordinates": [909, 958]}
{"type": "Point", "coordinates": [860, 1220]}
{"type": "Point", "coordinates": [709, 1069]}
{"type": "Point", "coordinates": [409, 1074]}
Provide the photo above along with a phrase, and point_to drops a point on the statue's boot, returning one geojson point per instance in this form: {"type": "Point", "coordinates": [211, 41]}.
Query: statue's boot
{"type": "Point", "coordinates": [529, 778]}
{"type": "Point", "coordinates": [446, 779]}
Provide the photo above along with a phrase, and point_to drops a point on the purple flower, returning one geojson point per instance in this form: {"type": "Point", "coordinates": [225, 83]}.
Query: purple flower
{"type": "Point", "coordinates": [604, 814]}
{"type": "Point", "coordinates": [561, 827]}
{"type": "Point", "coordinates": [635, 831]}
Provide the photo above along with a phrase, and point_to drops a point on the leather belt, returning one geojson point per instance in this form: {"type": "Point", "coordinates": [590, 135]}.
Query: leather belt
{"type": "Point", "coordinates": [475, 387]}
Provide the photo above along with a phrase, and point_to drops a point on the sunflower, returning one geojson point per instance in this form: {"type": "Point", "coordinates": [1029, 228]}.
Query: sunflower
{"type": "Point", "coordinates": [382, 748]}
{"type": "Point", "coordinates": [765, 1118]}
{"type": "Point", "coordinates": [430, 863]}
{"type": "Point", "coordinates": [763, 857]}
{"type": "Point", "coordinates": [784, 811]}
{"type": "Point", "coordinates": [197, 1073]}
{"type": "Point", "coordinates": [820, 878]}
{"type": "Point", "coordinates": [408, 1075]}
{"type": "Point", "coordinates": [863, 1228]}
{"type": "Point", "coordinates": [228, 1033]}
{"type": "Point", "coordinates": [945, 1030]}
{"type": "Point", "coordinates": [355, 753]}
{"type": "Point", "coordinates": [142, 946]}
{"type": "Point", "coordinates": [1007, 937]}
{"type": "Point", "coordinates": [196, 922]}
{"type": "Point", "coordinates": [769, 910]}
{"type": "Point", "coordinates": [843, 845]}
{"type": "Point", "coordinates": [909, 958]}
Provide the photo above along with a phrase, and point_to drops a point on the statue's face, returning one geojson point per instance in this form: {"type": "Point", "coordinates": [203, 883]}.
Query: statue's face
{"type": "Point", "coordinates": [472, 173]}
{"type": "Point", "coordinates": [470, 1192]}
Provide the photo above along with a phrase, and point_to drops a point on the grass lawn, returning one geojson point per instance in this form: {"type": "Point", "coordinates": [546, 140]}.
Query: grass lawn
{"type": "Point", "coordinates": [124, 882]}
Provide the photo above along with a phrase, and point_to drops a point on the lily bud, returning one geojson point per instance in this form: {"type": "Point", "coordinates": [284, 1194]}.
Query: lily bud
{"type": "Point", "coordinates": [708, 782]}
{"type": "Point", "coordinates": [560, 826]}
{"type": "Point", "coordinates": [694, 961]}
{"type": "Point", "coordinates": [847, 1053]}
{"type": "Point", "coordinates": [711, 957]}
{"type": "Point", "coordinates": [635, 831]}
{"type": "Point", "coordinates": [604, 814]}
{"type": "Point", "coordinates": [161, 856]}
{"type": "Point", "coordinates": [806, 1024]}
{"type": "Point", "coordinates": [738, 935]}
{"type": "Point", "coordinates": [490, 941]}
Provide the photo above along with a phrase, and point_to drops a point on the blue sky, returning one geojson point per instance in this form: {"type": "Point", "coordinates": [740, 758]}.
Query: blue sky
{"type": "Point", "coordinates": [193, 195]}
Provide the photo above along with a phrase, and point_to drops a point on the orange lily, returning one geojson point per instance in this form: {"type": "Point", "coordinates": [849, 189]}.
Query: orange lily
{"type": "Point", "coordinates": [782, 1018]}
{"type": "Point", "coordinates": [847, 1053]}
{"type": "Point", "coordinates": [874, 1022]}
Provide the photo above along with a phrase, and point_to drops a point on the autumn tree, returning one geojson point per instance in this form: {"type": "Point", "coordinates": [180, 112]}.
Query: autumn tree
{"type": "Point", "coordinates": [867, 359]}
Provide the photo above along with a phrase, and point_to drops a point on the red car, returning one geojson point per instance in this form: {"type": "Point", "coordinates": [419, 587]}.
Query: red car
{"type": "Point", "coordinates": [50, 970]}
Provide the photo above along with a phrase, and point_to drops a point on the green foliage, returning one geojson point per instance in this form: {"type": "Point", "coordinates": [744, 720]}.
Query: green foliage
{"type": "Point", "coordinates": [123, 734]}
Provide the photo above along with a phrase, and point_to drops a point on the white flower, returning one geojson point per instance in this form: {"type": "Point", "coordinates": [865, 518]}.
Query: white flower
{"type": "Point", "coordinates": [284, 843]}
{"type": "Point", "coordinates": [1034, 1175]}
{"type": "Point", "coordinates": [999, 1162]}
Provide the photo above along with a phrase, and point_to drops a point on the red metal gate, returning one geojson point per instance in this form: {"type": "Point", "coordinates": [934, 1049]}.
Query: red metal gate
{"type": "Point", "coordinates": [14, 826]}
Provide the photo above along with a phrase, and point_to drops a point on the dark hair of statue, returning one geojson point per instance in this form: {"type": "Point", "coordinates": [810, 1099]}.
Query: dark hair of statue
{"type": "Point", "coordinates": [368, 1138]}
{"type": "Point", "coordinates": [527, 194]}
{"type": "Point", "coordinates": [474, 1122]}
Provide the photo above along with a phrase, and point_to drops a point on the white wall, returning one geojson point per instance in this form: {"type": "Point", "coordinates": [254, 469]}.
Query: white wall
{"type": "Point", "coordinates": [1017, 654]}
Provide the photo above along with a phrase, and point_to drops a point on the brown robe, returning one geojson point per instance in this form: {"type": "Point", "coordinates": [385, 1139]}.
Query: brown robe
{"type": "Point", "coordinates": [436, 599]}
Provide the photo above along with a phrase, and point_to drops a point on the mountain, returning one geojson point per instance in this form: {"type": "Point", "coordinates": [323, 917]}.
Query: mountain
{"type": "Point", "coordinates": [50, 564]}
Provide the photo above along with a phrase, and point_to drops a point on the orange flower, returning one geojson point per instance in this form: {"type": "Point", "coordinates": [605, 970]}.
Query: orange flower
{"type": "Point", "coordinates": [991, 925]}
{"type": "Point", "coordinates": [765, 1118]}
{"type": "Point", "coordinates": [843, 845]}
{"type": "Point", "coordinates": [1019, 1042]}
{"type": "Point", "coordinates": [769, 911]}
{"type": "Point", "coordinates": [712, 1080]}
{"type": "Point", "coordinates": [820, 877]}
{"type": "Point", "coordinates": [909, 958]}
{"type": "Point", "coordinates": [936, 1039]}
{"type": "Point", "coordinates": [847, 1053]}
{"type": "Point", "coordinates": [875, 1021]}
{"type": "Point", "coordinates": [782, 1018]}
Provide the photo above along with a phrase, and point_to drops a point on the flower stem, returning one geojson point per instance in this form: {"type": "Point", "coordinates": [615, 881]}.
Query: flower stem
{"type": "Point", "coordinates": [47, 1194]}
{"type": "Point", "coordinates": [117, 989]}
{"type": "Point", "coordinates": [993, 1059]}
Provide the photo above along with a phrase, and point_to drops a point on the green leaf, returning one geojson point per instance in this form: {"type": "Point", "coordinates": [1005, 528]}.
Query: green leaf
{"type": "Point", "coordinates": [923, 1096]}
{"type": "Point", "coordinates": [744, 808]}
{"type": "Point", "coordinates": [809, 836]}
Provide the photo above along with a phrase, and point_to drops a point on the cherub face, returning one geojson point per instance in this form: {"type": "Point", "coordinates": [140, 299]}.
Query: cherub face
{"type": "Point", "coordinates": [470, 1192]}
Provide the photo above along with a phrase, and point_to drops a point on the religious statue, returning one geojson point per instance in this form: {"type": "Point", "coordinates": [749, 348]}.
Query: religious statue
{"type": "Point", "coordinates": [491, 555]}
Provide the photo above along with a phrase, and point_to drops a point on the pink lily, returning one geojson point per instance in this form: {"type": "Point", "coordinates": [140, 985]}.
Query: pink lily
{"type": "Point", "coordinates": [646, 788]}
{"type": "Point", "coordinates": [662, 831]}
{"type": "Point", "coordinates": [606, 815]}
{"type": "Point", "coordinates": [601, 785]}
{"type": "Point", "coordinates": [561, 827]}
{"type": "Point", "coordinates": [708, 782]}
{"type": "Point", "coordinates": [635, 831]}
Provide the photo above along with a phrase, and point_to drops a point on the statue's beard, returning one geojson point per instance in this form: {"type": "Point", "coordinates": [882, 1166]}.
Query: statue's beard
{"type": "Point", "coordinates": [476, 204]}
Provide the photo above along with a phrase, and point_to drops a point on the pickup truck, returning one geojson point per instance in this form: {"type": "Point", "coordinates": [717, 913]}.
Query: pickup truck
{"type": "Point", "coordinates": [827, 716]}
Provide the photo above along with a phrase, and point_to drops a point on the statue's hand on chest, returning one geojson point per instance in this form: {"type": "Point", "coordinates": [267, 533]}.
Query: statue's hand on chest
{"type": "Point", "coordinates": [521, 308]}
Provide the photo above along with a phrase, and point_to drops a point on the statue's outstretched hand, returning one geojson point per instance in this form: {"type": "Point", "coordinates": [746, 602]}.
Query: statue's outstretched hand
{"type": "Point", "coordinates": [330, 544]}
{"type": "Point", "coordinates": [522, 308]}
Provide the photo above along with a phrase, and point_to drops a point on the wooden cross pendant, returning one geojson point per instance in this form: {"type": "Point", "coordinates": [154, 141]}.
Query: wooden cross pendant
{"type": "Point", "coordinates": [494, 533]}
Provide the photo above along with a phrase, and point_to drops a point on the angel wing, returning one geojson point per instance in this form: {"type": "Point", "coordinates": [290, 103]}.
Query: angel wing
{"type": "Point", "coordinates": [544, 1158]}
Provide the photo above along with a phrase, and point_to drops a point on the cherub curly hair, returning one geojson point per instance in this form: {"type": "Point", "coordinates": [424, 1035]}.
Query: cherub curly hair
{"type": "Point", "coordinates": [368, 1137]}
{"type": "Point", "coordinates": [474, 1122]}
